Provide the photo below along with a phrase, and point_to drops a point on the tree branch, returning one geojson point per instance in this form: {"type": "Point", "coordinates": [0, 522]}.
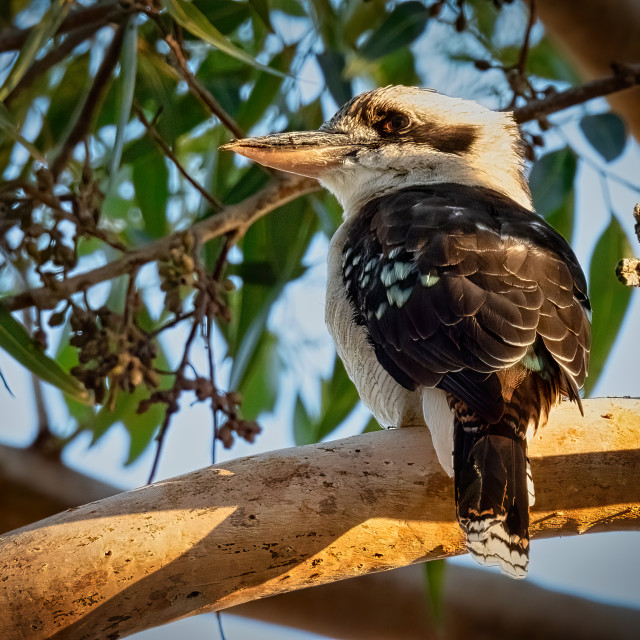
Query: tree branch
{"type": "Point", "coordinates": [377, 606]}
{"type": "Point", "coordinates": [236, 218]}
{"type": "Point", "coordinates": [83, 123]}
{"type": "Point", "coordinates": [624, 77]}
{"type": "Point", "coordinates": [286, 520]}
{"type": "Point", "coordinates": [101, 15]}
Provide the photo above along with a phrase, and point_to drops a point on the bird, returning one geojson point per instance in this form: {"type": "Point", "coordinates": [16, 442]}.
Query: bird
{"type": "Point", "coordinates": [451, 302]}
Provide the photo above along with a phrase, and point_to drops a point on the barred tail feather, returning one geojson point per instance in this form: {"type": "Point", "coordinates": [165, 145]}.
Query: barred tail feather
{"type": "Point", "coordinates": [493, 489]}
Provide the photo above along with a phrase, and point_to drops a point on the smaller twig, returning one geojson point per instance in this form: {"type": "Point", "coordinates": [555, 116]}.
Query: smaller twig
{"type": "Point", "coordinates": [212, 379]}
{"type": "Point", "coordinates": [98, 16]}
{"type": "Point", "coordinates": [57, 54]}
{"type": "Point", "coordinates": [201, 92]}
{"type": "Point", "coordinates": [220, 630]}
{"type": "Point", "coordinates": [234, 218]}
{"type": "Point", "coordinates": [53, 202]}
{"type": "Point", "coordinates": [43, 434]}
{"type": "Point", "coordinates": [130, 300]}
{"type": "Point", "coordinates": [524, 51]}
{"type": "Point", "coordinates": [521, 66]}
{"type": "Point", "coordinates": [83, 123]}
{"type": "Point", "coordinates": [172, 406]}
{"type": "Point", "coordinates": [624, 77]}
{"type": "Point", "coordinates": [222, 258]}
{"type": "Point", "coordinates": [158, 139]}
{"type": "Point", "coordinates": [171, 323]}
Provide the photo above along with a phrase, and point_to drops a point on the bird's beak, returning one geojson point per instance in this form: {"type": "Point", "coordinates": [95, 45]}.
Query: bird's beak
{"type": "Point", "coordinates": [307, 153]}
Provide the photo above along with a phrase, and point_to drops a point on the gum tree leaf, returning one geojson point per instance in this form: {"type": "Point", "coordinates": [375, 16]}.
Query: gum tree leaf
{"type": "Point", "coordinates": [151, 182]}
{"type": "Point", "coordinates": [7, 126]}
{"type": "Point", "coordinates": [15, 340]}
{"type": "Point", "coordinates": [544, 61]}
{"type": "Point", "coordinates": [606, 133]}
{"type": "Point", "coordinates": [303, 426]}
{"type": "Point", "coordinates": [193, 20]}
{"type": "Point", "coordinates": [435, 571]}
{"type": "Point", "coordinates": [262, 9]}
{"type": "Point", "coordinates": [260, 386]}
{"type": "Point", "coordinates": [38, 37]}
{"type": "Point", "coordinates": [551, 181]}
{"type": "Point", "coordinates": [402, 26]}
{"type": "Point", "coordinates": [332, 64]}
{"type": "Point", "coordinates": [128, 66]}
{"type": "Point", "coordinates": [265, 90]}
{"type": "Point", "coordinates": [339, 398]}
{"type": "Point", "coordinates": [610, 298]}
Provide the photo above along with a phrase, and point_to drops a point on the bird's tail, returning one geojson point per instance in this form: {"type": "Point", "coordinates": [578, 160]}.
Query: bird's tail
{"type": "Point", "coordinates": [493, 486]}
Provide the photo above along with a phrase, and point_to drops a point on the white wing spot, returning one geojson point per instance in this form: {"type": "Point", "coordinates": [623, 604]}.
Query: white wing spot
{"type": "Point", "coordinates": [398, 296]}
{"type": "Point", "coordinates": [381, 309]}
{"type": "Point", "coordinates": [429, 280]}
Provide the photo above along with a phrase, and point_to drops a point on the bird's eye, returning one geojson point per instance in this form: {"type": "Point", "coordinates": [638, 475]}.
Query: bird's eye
{"type": "Point", "coordinates": [394, 122]}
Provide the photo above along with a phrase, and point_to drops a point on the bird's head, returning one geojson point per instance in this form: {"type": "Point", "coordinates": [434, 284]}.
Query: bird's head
{"type": "Point", "coordinates": [395, 137]}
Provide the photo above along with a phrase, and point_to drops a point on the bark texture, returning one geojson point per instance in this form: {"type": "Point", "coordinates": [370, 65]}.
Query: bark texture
{"type": "Point", "coordinates": [282, 521]}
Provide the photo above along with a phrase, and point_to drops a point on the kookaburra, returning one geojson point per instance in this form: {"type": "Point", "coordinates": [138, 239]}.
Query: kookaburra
{"type": "Point", "coordinates": [450, 301]}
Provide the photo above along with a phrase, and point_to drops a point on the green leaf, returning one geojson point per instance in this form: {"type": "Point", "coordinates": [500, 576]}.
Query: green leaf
{"type": "Point", "coordinates": [6, 125]}
{"type": "Point", "coordinates": [398, 67]}
{"type": "Point", "coordinates": [282, 246]}
{"type": "Point", "coordinates": [403, 25]}
{"type": "Point", "coordinates": [339, 398]}
{"type": "Point", "coordinates": [485, 16]}
{"type": "Point", "coordinates": [435, 571]}
{"type": "Point", "coordinates": [67, 357]}
{"type": "Point", "coordinates": [38, 37]}
{"type": "Point", "coordinates": [262, 9]}
{"type": "Point", "coordinates": [141, 426]}
{"type": "Point", "coordinates": [226, 15]}
{"type": "Point", "coordinates": [290, 7]}
{"type": "Point", "coordinates": [372, 425]}
{"type": "Point", "coordinates": [192, 19]}
{"type": "Point", "coordinates": [260, 386]}
{"type": "Point", "coordinates": [128, 66]}
{"type": "Point", "coordinates": [332, 64]}
{"type": "Point", "coordinates": [545, 61]}
{"type": "Point", "coordinates": [610, 299]}
{"type": "Point", "coordinates": [66, 99]}
{"type": "Point", "coordinates": [303, 425]}
{"type": "Point", "coordinates": [151, 182]}
{"type": "Point", "coordinates": [606, 133]}
{"type": "Point", "coordinates": [15, 340]}
{"type": "Point", "coordinates": [551, 181]}
{"type": "Point", "coordinates": [360, 17]}
{"type": "Point", "coordinates": [264, 90]}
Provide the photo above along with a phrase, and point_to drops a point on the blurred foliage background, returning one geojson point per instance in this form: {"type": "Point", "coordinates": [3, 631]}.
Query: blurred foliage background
{"type": "Point", "coordinates": [110, 118]}
{"type": "Point", "coordinates": [111, 114]}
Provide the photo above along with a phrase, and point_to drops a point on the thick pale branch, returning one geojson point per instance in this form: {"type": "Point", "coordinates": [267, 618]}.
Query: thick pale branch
{"type": "Point", "coordinates": [377, 606]}
{"type": "Point", "coordinates": [282, 521]}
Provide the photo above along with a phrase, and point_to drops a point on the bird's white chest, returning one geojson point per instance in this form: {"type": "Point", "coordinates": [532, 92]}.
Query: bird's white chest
{"type": "Point", "coordinates": [391, 404]}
